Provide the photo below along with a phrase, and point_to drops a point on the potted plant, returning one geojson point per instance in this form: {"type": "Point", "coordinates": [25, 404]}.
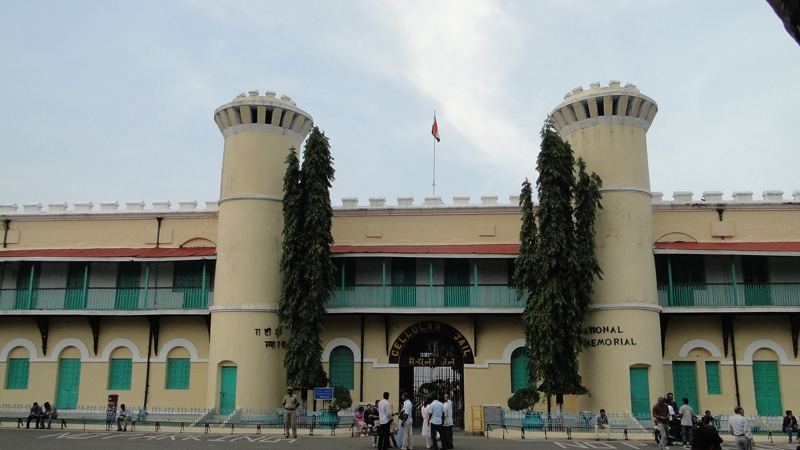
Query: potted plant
{"type": "Point", "coordinates": [341, 400]}
{"type": "Point", "coordinates": [524, 400]}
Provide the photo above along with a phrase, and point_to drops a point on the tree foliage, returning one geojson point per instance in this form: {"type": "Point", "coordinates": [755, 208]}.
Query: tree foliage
{"type": "Point", "coordinates": [306, 264]}
{"type": "Point", "coordinates": [556, 265]}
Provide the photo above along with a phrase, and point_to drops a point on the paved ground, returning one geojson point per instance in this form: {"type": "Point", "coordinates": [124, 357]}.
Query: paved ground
{"type": "Point", "coordinates": [97, 438]}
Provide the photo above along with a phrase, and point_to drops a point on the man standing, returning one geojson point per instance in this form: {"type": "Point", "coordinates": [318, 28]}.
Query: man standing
{"type": "Point", "coordinates": [447, 423]}
{"type": "Point", "coordinates": [686, 414]}
{"type": "Point", "coordinates": [435, 410]}
{"type": "Point", "coordinates": [601, 423]}
{"type": "Point", "coordinates": [385, 421]}
{"type": "Point", "coordinates": [405, 425]}
{"type": "Point", "coordinates": [290, 405]}
{"type": "Point", "coordinates": [661, 417]}
{"type": "Point", "coordinates": [740, 428]}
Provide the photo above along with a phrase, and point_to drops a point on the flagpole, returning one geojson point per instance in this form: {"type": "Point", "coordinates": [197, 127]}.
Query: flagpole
{"type": "Point", "coordinates": [434, 158]}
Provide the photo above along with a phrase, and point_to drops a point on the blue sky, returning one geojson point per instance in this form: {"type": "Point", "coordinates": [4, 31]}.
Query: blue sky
{"type": "Point", "coordinates": [114, 100]}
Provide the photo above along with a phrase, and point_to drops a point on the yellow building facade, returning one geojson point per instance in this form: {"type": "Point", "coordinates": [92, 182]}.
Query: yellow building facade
{"type": "Point", "coordinates": [176, 306]}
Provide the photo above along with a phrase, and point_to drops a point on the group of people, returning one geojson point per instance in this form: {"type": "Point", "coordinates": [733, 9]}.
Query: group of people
{"type": "Point", "coordinates": [41, 414]}
{"type": "Point", "coordinates": [378, 420]}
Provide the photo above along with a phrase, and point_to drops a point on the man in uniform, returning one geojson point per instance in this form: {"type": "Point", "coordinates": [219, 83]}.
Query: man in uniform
{"type": "Point", "coordinates": [290, 405]}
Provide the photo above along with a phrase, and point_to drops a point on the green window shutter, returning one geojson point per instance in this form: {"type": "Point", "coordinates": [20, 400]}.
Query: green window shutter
{"type": "Point", "coordinates": [17, 375]}
{"type": "Point", "coordinates": [178, 371]}
{"type": "Point", "coordinates": [519, 369]}
{"type": "Point", "coordinates": [342, 367]}
{"type": "Point", "coordinates": [119, 374]}
{"type": "Point", "coordinates": [712, 377]}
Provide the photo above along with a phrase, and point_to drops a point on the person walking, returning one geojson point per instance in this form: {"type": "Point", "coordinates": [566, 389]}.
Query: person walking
{"type": "Point", "coordinates": [435, 410]}
{"type": "Point", "coordinates": [447, 423]}
{"type": "Point", "coordinates": [661, 418]}
{"type": "Point", "coordinates": [601, 423]}
{"type": "Point", "coordinates": [385, 421]}
{"type": "Point", "coordinates": [739, 427]}
{"type": "Point", "coordinates": [426, 423]}
{"type": "Point", "coordinates": [290, 405]}
{"type": "Point", "coordinates": [406, 421]}
{"type": "Point", "coordinates": [790, 425]}
{"type": "Point", "coordinates": [686, 413]}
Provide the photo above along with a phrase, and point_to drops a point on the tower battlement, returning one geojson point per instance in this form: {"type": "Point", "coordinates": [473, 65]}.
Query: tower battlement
{"type": "Point", "coordinates": [611, 104]}
{"type": "Point", "coordinates": [281, 115]}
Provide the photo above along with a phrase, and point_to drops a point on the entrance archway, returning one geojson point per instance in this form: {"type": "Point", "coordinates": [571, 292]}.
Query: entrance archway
{"type": "Point", "coordinates": [431, 357]}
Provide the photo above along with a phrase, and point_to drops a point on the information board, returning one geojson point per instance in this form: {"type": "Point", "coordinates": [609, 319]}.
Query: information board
{"type": "Point", "coordinates": [323, 393]}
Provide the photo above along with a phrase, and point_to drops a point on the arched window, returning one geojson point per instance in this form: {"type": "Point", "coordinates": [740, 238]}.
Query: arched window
{"type": "Point", "coordinates": [519, 369]}
{"type": "Point", "coordinates": [341, 367]}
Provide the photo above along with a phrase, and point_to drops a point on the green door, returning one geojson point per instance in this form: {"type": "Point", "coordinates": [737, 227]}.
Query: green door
{"type": "Point", "coordinates": [767, 388]}
{"type": "Point", "coordinates": [69, 382]}
{"type": "Point", "coordinates": [77, 280]}
{"type": "Point", "coordinates": [28, 285]}
{"type": "Point", "coordinates": [684, 381]}
{"type": "Point", "coordinates": [640, 393]}
{"type": "Point", "coordinates": [404, 282]}
{"type": "Point", "coordinates": [128, 277]}
{"type": "Point", "coordinates": [456, 282]}
{"type": "Point", "coordinates": [227, 394]}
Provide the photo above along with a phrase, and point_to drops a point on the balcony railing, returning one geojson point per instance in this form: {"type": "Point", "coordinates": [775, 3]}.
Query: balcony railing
{"type": "Point", "coordinates": [491, 296]}
{"type": "Point", "coordinates": [729, 295]}
{"type": "Point", "coordinates": [106, 299]}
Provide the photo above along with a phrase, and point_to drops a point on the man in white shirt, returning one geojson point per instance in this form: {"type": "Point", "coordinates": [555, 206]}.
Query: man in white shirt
{"type": "Point", "coordinates": [435, 410]}
{"type": "Point", "coordinates": [740, 428]}
{"type": "Point", "coordinates": [385, 419]}
{"type": "Point", "coordinates": [447, 423]}
{"type": "Point", "coordinates": [405, 426]}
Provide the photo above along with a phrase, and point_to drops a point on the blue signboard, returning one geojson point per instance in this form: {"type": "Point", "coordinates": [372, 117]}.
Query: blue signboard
{"type": "Point", "coordinates": [324, 393]}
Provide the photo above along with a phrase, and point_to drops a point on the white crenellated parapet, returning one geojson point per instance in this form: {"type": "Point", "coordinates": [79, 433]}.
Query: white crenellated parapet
{"type": "Point", "coordinates": [433, 201]}
{"type": "Point", "coordinates": [405, 201]}
{"type": "Point", "coordinates": [83, 207]}
{"type": "Point", "coordinates": [350, 202]}
{"type": "Point", "coordinates": [134, 206]}
{"type": "Point", "coordinates": [8, 208]}
{"type": "Point", "coordinates": [461, 200]}
{"type": "Point", "coordinates": [377, 202]}
{"type": "Point", "coordinates": [489, 200]}
{"type": "Point", "coordinates": [682, 196]}
{"type": "Point", "coordinates": [57, 208]}
{"type": "Point", "coordinates": [109, 206]}
{"type": "Point", "coordinates": [742, 196]}
{"type": "Point", "coordinates": [796, 196]}
{"type": "Point", "coordinates": [712, 196]}
{"type": "Point", "coordinates": [772, 196]}
{"type": "Point", "coordinates": [32, 208]}
{"type": "Point", "coordinates": [161, 205]}
{"type": "Point", "coordinates": [513, 199]}
{"type": "Point", "coordinates": [187, 205]}
{"type": "Point", "coordinates": [657, 197]}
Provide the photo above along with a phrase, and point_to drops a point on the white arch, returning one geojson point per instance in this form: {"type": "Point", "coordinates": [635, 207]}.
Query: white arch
{"type": "Point", "coordinates": [764, 343]}
{"type": "Point", "coordinates": [178, 342]}
{"type": "Point", "coordinates": [326, 353]}
{"type": "Point", "coordinates": [122, 342]}
{"type": "Point", "coordinates": [513, 345]}
{"type": "Point", "coordinates": [69, 342]}
{"type": "Point", "coordinates": [20, 342]}
{"type": "Point", "coordinates": [699, 343]}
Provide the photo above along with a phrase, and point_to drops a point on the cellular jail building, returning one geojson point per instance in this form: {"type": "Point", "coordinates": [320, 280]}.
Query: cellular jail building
{"type": "Point", "coordinates": [176, 305]}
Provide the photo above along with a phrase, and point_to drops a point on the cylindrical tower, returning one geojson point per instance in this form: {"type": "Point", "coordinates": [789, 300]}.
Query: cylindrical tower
{"type": "Point", "coordinates": [606, 126]}
{"type": "Point", "coordinates": [244, 350]}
